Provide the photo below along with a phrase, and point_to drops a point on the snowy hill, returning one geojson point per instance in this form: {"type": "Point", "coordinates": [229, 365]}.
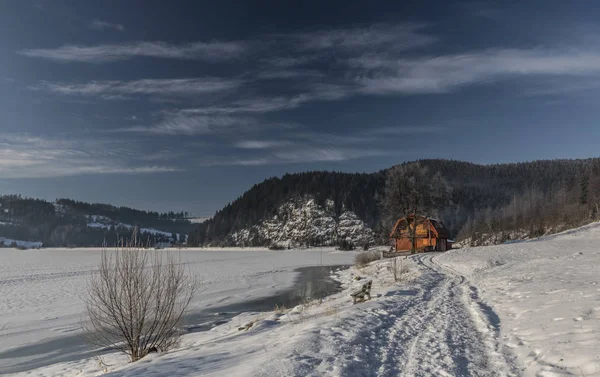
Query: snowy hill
{"type": "Point", "coordinates": [546, 293]}
{"type": "Point", "coordinates": [34, 222]}
{"type": "Point", "coordinates": [7, 242]}
{"type": "Point", "coordinates": [103, 222]}
{"type": "Point", "coordinates": [304, 222]}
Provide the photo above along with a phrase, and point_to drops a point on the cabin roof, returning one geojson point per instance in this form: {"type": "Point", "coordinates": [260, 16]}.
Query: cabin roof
{"type": "Point", "coordinates": [437, 225]}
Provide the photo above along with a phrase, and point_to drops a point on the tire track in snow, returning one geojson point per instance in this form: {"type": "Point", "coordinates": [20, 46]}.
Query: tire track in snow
{"type": "Point", "coordinates": [480, 334]}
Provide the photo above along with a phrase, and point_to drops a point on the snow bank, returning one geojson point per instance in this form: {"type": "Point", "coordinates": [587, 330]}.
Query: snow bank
{"type": "Point", "coordinates": [547, 294]}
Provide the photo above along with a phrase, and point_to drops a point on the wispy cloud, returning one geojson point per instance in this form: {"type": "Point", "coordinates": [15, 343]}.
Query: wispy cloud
{"type": "Point", "coordinates": [391, 36]}
{"type": "Point", "coordinates": [314, 92]}
{"type": "Point", "coordinates": [262, 144]}
{"type": "Point", "coordinates": [273, 74]}
{"type": "Point", "coordinates": [206, 51]}
{"type": "Point", "coordinates": [562, 86]}
{"type": "Point", "coordinates": [317, 154]}
{"type": "Point", "coordinates": [404, 130]}
{"type": "Point", "coordinates": [297, 156]}
{"type": "Point", "coordinates": [103, 25]}
{"type": "Point", "coordinates": [186, 124]}
{"type": "Point", "coordinates": [446, 73]}
{"type": "Point", "coordinates": [381, 74]}
{"type": "Point", "coordinates": [26, 156]}
{"type": "Point", "coordinates": [289, 61]}
{"type": "Point", "coordinates": [122, 89]}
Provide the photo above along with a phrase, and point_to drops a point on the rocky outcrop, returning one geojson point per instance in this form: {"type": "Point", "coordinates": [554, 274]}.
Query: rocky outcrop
{"type": "Point", "coordinates": [303, 222]}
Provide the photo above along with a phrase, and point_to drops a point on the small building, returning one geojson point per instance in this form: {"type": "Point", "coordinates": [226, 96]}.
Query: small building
{"type": "Point", "coordinates": [430, 235]}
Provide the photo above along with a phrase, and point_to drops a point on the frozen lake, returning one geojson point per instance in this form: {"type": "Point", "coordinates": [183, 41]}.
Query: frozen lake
{"type": "Point", "coordinates": [42, 291]}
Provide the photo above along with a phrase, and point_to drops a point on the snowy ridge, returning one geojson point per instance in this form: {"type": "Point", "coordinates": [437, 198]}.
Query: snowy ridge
{"type": "Point", "coordinates": [198, 220]}
{"type": "Point", "coordinates": [304, 222]}
{"type": "Point", "coordinates": [7, 242]}
{"type": "Point", "coordinates": [97, 221]}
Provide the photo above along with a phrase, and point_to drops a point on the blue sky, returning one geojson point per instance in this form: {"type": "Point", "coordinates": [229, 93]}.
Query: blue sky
{"type": "Point", "coordinates": [166, 107]}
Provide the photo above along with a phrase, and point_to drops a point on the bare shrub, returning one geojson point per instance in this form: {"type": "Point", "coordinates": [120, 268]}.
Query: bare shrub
{"type": "Point", "coordinates": [366, 257]}
{"type": "Point", "coordinates": [137, 300]}
{"type": "Point", "coordinates": [279, 309]}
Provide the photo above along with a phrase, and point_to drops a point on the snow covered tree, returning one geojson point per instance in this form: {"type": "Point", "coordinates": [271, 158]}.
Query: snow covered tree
{"type": "Point", "coordinates": [412, 189]}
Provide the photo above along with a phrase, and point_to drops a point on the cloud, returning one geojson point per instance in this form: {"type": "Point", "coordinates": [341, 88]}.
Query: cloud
{"type": "Point", "coordinates": [186, 124]}
{"type": "Point", "coordinates": [314, 92]}
{"type": "Point", "coordinates": [403, 130]}
{"type": "Point", "coordinates": [252, 105]}
{"type": "Point", "coordinates": [393, 37]}
{"type": "Point", "coordinates": [298, 155]}
{"type": "Point", "coordinates": [317, 154]}
{"type": "Point", "coordinates": [561, 86]}
{"type": "Point", "coordinates": [380, 74]}
{"type": "Point", "coordinates": [26, 156]}
{"type": "Point", "coordinates": [274, 74]}
{"type": "Point", "coordinates": [446, 73]}
{"type": "Point", "coordinates": [288, 61]}
{"type": "Point", "coordinates": [103, 25]}
{"type": "Point", "coordinates": [124, 89]}
{"type": "Point", "coordinates": [204, 51]}
{"type": "Point", "coordinates": [262, 144]}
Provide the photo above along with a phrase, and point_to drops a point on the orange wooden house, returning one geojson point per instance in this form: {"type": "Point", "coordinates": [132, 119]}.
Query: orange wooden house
{"type": "Point", "coordinates": [431, 234]}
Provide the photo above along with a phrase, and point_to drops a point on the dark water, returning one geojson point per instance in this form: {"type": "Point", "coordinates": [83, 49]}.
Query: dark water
{"type": "Point", "coordinates": [311, 283]}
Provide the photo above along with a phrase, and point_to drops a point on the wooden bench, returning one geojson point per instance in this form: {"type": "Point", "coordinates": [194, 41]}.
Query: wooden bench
{"type": "Point", "coordinates": [362, 294]}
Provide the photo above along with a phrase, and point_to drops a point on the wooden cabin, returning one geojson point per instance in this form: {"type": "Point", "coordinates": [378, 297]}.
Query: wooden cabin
{"type": "Point", "coordinates": [431, 234]}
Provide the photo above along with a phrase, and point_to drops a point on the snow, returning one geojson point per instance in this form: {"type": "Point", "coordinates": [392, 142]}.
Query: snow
{"type": "Point", "coordinates": [41, 291]}
{"type": "Point", "coordinates": [303, 221]}
{"type": "Point", "coordinates": [198, 220]}
{"type": "Point", "coordinates": [97, 221]}
{"type": "Point", "coordinates": [546, 293]}
{"type": "Point", "coordinates": [226, 350]}
{"type": "Point", "coordinates": [427, 324]}
{"type": "Point", "coordinates": [20, 243]}
{"type": "Point", "coordinates": [522, 309]}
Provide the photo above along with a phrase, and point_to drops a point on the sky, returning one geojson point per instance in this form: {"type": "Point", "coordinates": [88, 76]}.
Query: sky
{"type": "Point", "coordinates": [184, 105]}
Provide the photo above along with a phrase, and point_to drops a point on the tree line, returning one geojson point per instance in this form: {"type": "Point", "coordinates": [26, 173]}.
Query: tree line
{"type": "Point", "coordinates": [66, 224]}
{"type": "Point", "coordinates": [474, 201]}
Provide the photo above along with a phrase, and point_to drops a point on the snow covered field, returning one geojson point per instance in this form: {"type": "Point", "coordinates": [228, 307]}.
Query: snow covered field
{"type": "Point", "coordinates": [522, 309]}
{"type": "Point", "coordinates": [546, 293]}
{"type": "Point", "coordinates": [41, 291]}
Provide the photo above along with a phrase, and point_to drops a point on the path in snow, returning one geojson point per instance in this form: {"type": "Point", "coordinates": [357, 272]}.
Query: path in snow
{"type": "Point", "coordinates": [438, 328]}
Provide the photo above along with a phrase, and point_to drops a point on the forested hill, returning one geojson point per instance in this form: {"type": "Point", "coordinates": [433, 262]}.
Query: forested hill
{"type": "Point", "coordinates": [357, 192]}
{"type": "Point", "coordinates": [484, 199]}
{"type": "Point", "coordinates": [71, 223]}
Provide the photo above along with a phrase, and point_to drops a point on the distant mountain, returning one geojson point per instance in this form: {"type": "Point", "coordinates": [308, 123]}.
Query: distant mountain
{"type": "Point", "coordinates": [26, 222]}
{"type": "Point", "coordinates": [311, 208]}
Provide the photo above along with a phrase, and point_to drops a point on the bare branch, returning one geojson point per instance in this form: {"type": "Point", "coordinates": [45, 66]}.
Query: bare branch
{"type": "Point", "coordinates": [137, 301]}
